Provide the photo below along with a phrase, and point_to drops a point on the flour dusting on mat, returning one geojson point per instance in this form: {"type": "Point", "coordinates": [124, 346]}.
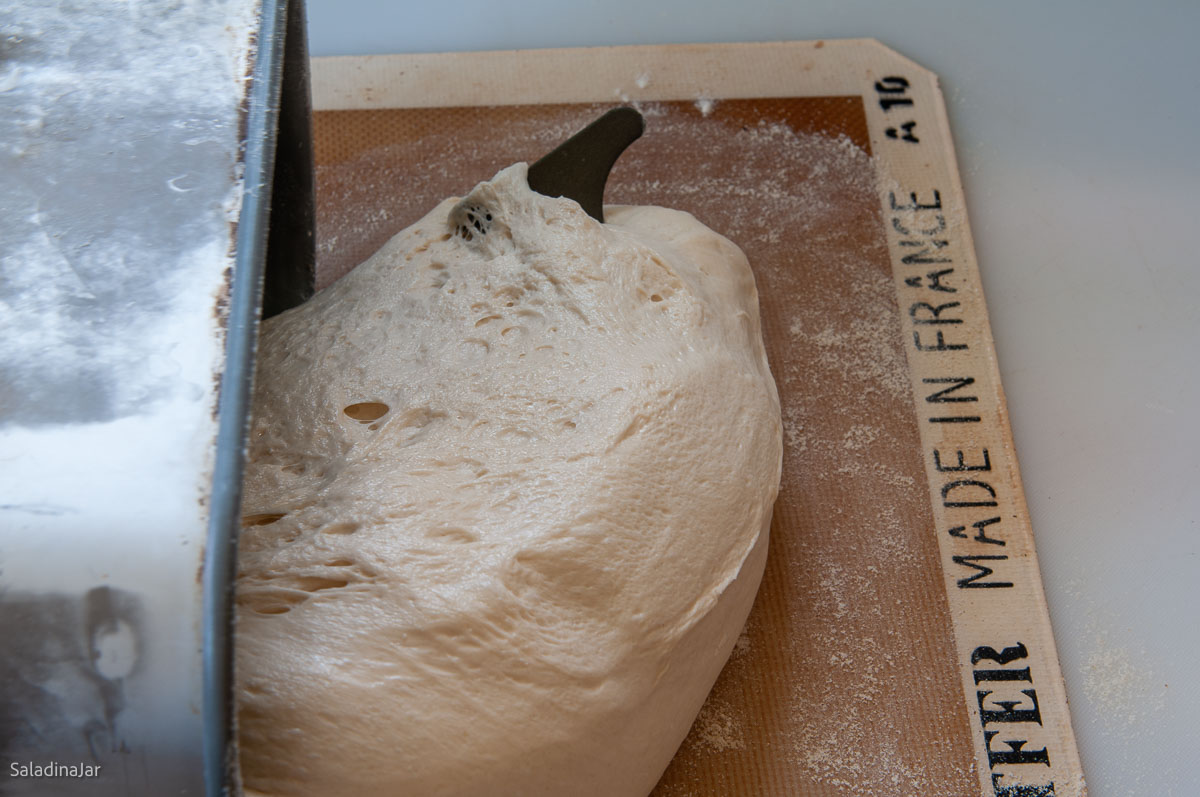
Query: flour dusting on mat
{"type": "Point", "coordinates": [718, 728]}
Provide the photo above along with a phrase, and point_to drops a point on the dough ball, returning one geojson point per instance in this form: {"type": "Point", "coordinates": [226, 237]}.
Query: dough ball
{"type": "Point", "coordinates": [506, 505]}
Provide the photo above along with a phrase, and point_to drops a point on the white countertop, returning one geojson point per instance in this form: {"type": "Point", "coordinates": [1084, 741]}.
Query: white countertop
{"type": "Point", "coordinates": [1076, 128]}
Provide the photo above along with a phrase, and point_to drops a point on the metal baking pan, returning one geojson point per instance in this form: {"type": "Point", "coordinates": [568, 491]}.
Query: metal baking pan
{"type": "Point", "coordinates": [155, 164]}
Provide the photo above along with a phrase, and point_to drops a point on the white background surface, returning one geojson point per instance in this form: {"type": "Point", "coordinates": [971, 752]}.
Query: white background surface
{"type": "Point", "coordinates": [1077, 129]}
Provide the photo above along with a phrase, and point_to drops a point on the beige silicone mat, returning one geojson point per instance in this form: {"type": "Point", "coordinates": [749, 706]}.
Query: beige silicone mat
{"type": "Point", "coordinates": [859, 671]}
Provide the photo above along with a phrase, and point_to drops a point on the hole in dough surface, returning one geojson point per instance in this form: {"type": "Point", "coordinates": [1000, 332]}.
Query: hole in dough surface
{"type": "Point", "coordinates": [366, 411]}
{"type": "Point", "coordinates": [262, 519]}
{"type": "Point", "coordinates": [340, 528]}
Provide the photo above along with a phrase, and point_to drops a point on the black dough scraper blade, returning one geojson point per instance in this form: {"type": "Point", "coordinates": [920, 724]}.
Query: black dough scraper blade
{"type": "Point", "coordinates": [578, 168]}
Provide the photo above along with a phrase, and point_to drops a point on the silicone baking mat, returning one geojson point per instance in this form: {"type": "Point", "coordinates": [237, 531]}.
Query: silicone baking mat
{"type": "Point", "coordinates": [900, 643]}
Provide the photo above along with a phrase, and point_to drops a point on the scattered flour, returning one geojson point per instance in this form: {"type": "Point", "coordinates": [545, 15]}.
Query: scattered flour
{"type": "Point", "coordinates": [718, 728]}
{"type": "Point", "coordinates": [860, 436]}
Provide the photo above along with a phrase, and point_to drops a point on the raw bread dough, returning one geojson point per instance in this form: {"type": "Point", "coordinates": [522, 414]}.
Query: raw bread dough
{"type": "Point", "coordinates": [507, 504]}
